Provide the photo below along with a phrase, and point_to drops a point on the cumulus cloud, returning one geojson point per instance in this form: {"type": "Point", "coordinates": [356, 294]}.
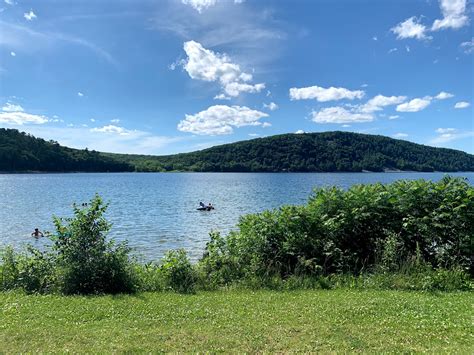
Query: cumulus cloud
{"type": "Point", "coordinates": [414, 105]}
{"type": "Point", "coordinates": [340, 115]}
{"type": "Point", "coordinates": [220, 119]}
{"type": "Point", "coordinates": [29, 16]}
{"type": "Point", "coordinates": [204, 64]}
{"type": "Point", "coordinates": [324, 94]}
{"type": "Point", "coordinates": [15, 115]}
{"type": "Point", "coordinates": [454, 15]}
{"type": "Point", "coordinates": [468, 46]}
{"type": "Point", "coordinates": [462, 104]}
{"type": "Point", "coordinates": [410, 28]}
{"type": "Point", "coordinates": [9, 107]}
{"type": "Point", "coordinates": [377, 103]}
{"type": "Point", "coordinates": [271, 106]}
{"type": "Point", "coordinates": [443, 95]}
{"type": "Point", "coordinates": [201, 5]}
{"type": "Point", "coordinates": [300, 131]}
{"type": "Point", "coordinates": [112, 129]}
{"type": "Point", "coordinates": [20, 118]}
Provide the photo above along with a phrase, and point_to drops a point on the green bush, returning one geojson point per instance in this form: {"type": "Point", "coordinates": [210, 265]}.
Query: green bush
{"type": "Point", "coordinates": [362, 230]}
{"type": "Point", "coordinates": [86, 261]}
{"type": "Point", "coordinates": [81, 261]}
{"type": "Point", "coordinates": [177, 271]}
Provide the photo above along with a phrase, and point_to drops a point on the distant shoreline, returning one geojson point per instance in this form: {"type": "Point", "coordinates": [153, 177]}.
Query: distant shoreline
{"type": "Point", "coordinates": [227, 172]}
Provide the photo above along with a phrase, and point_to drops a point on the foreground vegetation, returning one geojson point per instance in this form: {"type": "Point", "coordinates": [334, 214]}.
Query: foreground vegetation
{"type": "Point", "coordinates": [239, 321]}
{"type": "Point", "coordinates": [409, 235]}
{"type": "Point", "coordinates": [310, 152]}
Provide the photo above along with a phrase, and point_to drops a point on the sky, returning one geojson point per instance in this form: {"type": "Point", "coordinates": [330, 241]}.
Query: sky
{"type": "Point", "coordinates": [169, 76]}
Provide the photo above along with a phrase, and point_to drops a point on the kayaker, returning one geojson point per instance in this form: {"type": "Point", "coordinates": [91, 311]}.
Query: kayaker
{"type": "Point", "coordinates": [202, 204]}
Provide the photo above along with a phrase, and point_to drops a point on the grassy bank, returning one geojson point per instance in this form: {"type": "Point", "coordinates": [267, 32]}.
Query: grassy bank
{"type": "Point", "coordinates": [338, 320]}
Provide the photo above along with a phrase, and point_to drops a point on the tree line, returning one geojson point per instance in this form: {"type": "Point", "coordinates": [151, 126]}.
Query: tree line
{"type": "Point", "coordinates": [309, 152]}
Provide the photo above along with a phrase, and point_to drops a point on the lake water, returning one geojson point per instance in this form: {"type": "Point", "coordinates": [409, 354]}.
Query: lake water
{"type": "Point", "coordinates": [157, 212]}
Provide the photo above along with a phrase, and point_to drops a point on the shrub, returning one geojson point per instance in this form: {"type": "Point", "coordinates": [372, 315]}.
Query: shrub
{"type": "Point", "coordinates": [178, 272]}
{"type": "Point", "coordinates": [86, 261]}
{"type": "Point", "coordinates": [354, 231]}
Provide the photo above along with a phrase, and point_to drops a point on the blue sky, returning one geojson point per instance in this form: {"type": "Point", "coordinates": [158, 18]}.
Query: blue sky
{"type": "Point", "coordinates": [168, 76]}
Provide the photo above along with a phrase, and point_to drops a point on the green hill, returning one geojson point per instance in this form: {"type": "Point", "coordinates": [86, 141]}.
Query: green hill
{"type": "Point", "coordinates": [318, 152]}
{"type": "Point", "coordinates": [22, 152]}
{"type": "Point", "coordinates": [323, 152]}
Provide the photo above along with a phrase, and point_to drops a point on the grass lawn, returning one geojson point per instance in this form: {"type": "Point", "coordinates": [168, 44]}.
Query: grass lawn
{"type": "Point", "coordinates": [337, 320]}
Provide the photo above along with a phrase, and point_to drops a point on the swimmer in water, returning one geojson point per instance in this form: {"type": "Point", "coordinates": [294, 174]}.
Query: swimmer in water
{"type": "Point", "coordinates": [37, 233]}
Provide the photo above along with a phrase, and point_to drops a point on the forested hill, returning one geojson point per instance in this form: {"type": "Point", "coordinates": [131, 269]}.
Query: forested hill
{"type": "Point", "coordinates": [22, 152]}
{"type": "Point", "coordinates": [324, 152]}
{"type": "Point", "coordinates": [327, 151]}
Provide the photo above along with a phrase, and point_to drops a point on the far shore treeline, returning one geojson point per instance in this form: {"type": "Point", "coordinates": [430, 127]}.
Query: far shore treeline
{"type": "Point", "coordinates": [309, 152]}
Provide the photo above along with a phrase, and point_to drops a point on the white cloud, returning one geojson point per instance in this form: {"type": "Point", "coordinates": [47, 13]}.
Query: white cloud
{"type": "Point", "coordinates": [453, 15]}
{"type": "Point", "coordinates": [92, 120]}
{"type": "Point", "coordinates": [407, 48]}
{"type": "Point", "coordinates": [443, 95]}
{"type": "Point", "coordinates": [266, 124]}
{"type": "Point", "coordinates": [204, 64]}
{"type": "Point", "coordinates": [340, 115]}
{"type": "Point", "coordinates": [375, 38]}
{"type": "Point", "coordinates": [115, 120]}
{"type": "Point", "coordinates": [414, 105]}
{"type": "Point", "coordinates": [253, 134]}
{"type": "Point", "coordinates": [29, 16]}
{"type": "Point", "coordinates": [300, 131]}
{"type": "Point", "coordinates": [235, 88]}
{"type": "Point", "coordinates": [450, 134]}
{"type": "Point", "coordinates": [378, 102]}
{"type": "Point", "coordinates": [221, 97]}
{"type": "Point", "coordinates": [112, 129]}
{"type": "Point", "coordinates": [201, 5]}
{"type": "Point", "coordinates": [462, 104]}
{"type": "Point", "coordinates": [80, 94]}
{"type": "Point", "coordinates": [220, 119]}
{"type": "Point", "coordinates": [9, 107]}
{"type": "Point", "coordinates": [393, 117]}
{"type": "Point", "coordinates": [13, 54]}
{"type": "Point", "coordinates": [445, 130]}
{"type": "Point", "coordinates": [271, 106]}
{"type": "Point", "coordinates": [9, 2]}
{"type": "Point", "coordinates": [20, 118]}
{"type": "Point", "coordinates": [410, 28]}
{"type": "Point", "coordinates": [468, 46]}
{"type": "Point", "coordinates": [400, 135]}
{"type": "Point", "coordinates": [324, 94]}
{"type": "Point", "coordinates": [392, 50]}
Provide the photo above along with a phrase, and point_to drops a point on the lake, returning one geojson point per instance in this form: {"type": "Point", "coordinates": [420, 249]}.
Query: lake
{"type": "Point", "coordinates": [156, 212]}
